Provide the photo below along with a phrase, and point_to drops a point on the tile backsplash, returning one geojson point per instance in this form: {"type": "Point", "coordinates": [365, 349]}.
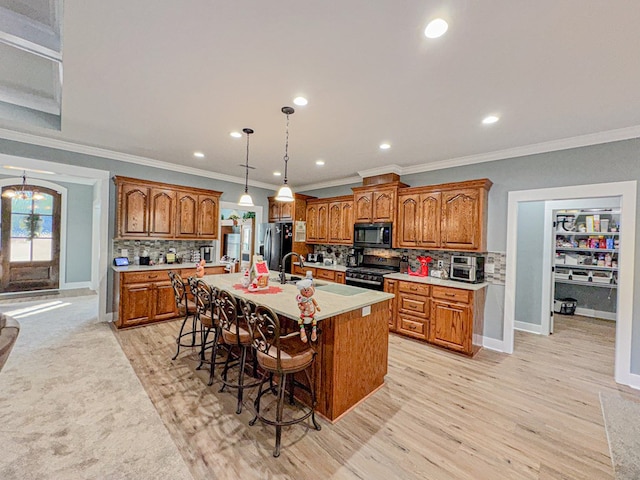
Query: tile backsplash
{"type": "Point", "coordinates": [185, 249]}
{"type": "Point", "coordinates": [498, 259]}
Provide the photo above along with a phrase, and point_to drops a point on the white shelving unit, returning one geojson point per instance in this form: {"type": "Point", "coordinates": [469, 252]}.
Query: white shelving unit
{"type": "Point", "coordinates": [587, 246]}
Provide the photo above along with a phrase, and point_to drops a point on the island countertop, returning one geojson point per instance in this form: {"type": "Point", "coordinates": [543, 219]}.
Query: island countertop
{"type": "Point", "coordinates": [284, 302]}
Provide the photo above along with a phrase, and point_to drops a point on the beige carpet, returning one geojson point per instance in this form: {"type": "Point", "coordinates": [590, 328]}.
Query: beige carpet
{"type": "Point", "coordinates": [622, 421]}
{"type": "Point", "coordinates": [71, 406]}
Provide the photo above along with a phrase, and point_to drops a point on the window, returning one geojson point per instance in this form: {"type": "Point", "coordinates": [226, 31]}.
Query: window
{"type": "Point", "coordinates": [31, 234]}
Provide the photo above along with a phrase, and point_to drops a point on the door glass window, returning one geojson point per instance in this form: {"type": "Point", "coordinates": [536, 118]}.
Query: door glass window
{"type": "Point", "coordinates": [31, 227]}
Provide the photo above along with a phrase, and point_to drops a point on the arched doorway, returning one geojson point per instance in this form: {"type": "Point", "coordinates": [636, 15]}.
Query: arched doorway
{"type": "Point", "coordinates": [30, 238]}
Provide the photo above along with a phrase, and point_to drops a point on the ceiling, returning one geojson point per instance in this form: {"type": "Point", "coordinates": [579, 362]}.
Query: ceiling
{"type": "Point", "coordinates": [160, 80]}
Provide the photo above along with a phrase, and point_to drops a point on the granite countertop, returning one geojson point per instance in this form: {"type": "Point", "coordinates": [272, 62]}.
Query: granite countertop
{"type": "Point", "coordinates": [284, 302]}
{"type": "Point", "coordinates": [337, 268]}
{"type": "Point", "coordinates": [163, 266]}
{"type": "Point", "coordinates": [437, 281]}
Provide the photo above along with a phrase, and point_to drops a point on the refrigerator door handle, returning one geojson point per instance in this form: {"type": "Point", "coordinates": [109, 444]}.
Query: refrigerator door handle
{"type": "Point", "coordinates": [267, 246]}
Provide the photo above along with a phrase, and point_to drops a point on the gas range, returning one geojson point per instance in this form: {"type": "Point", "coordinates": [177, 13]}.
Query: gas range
{"type": "Point", "coordinates": [370, 273]}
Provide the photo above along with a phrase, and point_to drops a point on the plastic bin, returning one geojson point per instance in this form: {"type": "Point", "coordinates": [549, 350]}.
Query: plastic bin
{"type": "Point", "coordinates": [565, 306]}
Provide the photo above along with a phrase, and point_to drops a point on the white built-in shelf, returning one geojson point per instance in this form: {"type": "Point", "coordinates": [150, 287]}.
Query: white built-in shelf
{"type": "Point", "coordinates": [588, 284]}
{"type": "Point", "coordinates": [587, 250]}
{"type": "Point", "coordinates": [587, 267]}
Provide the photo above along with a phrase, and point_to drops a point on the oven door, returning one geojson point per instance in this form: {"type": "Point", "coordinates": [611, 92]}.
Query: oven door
{"type": "Point", "coordinates": [362, 283]}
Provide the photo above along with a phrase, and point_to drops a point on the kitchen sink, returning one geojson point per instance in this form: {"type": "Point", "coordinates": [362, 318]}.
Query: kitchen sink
{"type": "Point", "coordinates": [341, 289]}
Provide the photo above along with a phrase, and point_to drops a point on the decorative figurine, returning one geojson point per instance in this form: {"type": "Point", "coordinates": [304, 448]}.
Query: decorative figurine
{"type": "Point", "coordinates": [308, 306]}
{"type": "Point", "coordinates": [246, 278]}
{"type": "Point", "coordinates": [200, 268]}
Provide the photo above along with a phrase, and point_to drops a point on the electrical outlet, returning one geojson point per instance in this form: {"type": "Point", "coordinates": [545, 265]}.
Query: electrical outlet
{"type": "Point", "coordinates": [440, 264]}
{"type": "Point", "coordinates": [490, 268]}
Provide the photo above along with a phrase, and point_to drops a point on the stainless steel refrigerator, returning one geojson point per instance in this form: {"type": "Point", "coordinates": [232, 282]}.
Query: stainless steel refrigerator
{"type": "Point", "coordinates": [276, 241]}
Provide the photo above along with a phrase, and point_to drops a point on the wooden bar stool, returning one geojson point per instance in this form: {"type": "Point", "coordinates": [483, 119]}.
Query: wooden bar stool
{"type": "Point", "coordinates": [237, 336]}
{"type": "Point", "coordinates": [187, 308]}
{"type": "Point", "coordinates": [281, 355]}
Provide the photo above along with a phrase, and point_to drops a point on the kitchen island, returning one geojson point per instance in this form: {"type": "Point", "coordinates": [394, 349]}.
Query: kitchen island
{"type": "Point", "coordinates": [352, 346]}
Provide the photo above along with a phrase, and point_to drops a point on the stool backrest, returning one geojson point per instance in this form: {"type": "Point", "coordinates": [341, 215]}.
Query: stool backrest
{"type": "Point", "coordinates": [266, 333]}
{"type": "Point", "coordinates": [204, 297]}
{"type": "Point", "coordinates": [179, 288]}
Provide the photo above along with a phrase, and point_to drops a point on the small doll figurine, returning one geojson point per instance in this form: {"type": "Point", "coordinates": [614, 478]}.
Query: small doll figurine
{"type": "Point", "coordinates": [200, 269]}
{"type": "Point", "coordinates": [308, 306]}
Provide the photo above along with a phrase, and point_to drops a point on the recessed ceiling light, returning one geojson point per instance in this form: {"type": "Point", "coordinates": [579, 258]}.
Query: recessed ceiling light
{"type": "Point", "coordinates": [198, 154]}
{"type": "Point", "coordinates": [276, 174]}
{"type": "Point", "coordinates": [300, 101]}
{"type": "Point", "coordinates": [436, 28]}
{"type": "Point", "coordinates": [236, 134]}
{"type": "Point", "coordinates": [320, 162]}
{"type": "Point", "coordinates": [490, 119]}
{"type": "Point", "coordinates": [385, 146]}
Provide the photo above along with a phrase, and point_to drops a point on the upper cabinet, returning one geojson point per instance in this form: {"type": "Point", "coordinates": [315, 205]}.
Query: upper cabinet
{"type": "Point", "coordinates": [375, 204]}
{"type": "Point", "coordinates": [155, 210]}
{"type": "Point", "coordinates": [288, 211]}
{"type": "Point", "coordinates": [317, 219]}
{"type": "Point", "coordinates": [330, 221]}
{"type": "Point", "coordinates": [451, 216]}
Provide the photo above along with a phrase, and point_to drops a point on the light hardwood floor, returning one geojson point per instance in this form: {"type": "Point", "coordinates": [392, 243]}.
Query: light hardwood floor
{"type": "Point", "coordinates": [531, 415]}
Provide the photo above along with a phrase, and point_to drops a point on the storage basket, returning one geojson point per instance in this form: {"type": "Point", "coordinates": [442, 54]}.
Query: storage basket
{"type": "Point", "coordinates": [579, 275]}
{"type": "Point", "coordinates": [601, 277]}
{"type": "Point", "coordinates": [565, 306]}
{"type": "Point", "coordinates": [562, 273]}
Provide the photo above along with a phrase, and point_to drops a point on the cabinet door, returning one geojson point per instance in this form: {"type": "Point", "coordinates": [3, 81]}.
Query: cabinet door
{"type": "Point", "coordinates": [384, 206]}
{"type": "Point", "coordinates": [164, 301]}
{"type": "Point", "coordinates": [208, 212]}
{"type": "Point", "coordinates": [312, 225]}
{"type": "Point", "coordinates": [461, 219]}
{"type": "Point", "coordinates": [161, 212]}
{"type": "Point", "coordinates": [325, 274]}
{"type": "Point", "coordinates": [363, 209]}
{"type": "Point", "coordinates": [134, 211]}
{"type": "Point", "coordinates": [347, 222]}
{"type": "Point", "coordinates": [136, 300]}
{"type": "Point", "coordinates": [451, 326]}
{"type": "Point", "coordinates": [390, 286]}
{"type": "Point", "coordinates": [187, 215]}
{"type": "Point", "coordinates": [430, 220]}
{"type": "Point", "coordinates": [341, 277]}
{"type": "Point", "coordinates": [335, 222]}
{"type": "Point", "coordinates": [323, 218]}
{"type": "Point", "coordinates": [274, 211]}
{"type": "Point", "coordinates": [286, 211]}
{"type": "Point", "coordinates": [408, 220]}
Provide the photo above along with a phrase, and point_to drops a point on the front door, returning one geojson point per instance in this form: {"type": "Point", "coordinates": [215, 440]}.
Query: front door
{"type": "Point", "coordinates": [30, 239]}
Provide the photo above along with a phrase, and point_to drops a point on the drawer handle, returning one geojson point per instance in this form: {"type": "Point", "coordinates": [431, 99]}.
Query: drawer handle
{"type": "Point", "coordinates": [413, 288]}
{"type": "Point", "coordinates": [450, 294]}
{"type": "Point", "coordinates": [413, 306]}
{"type": "Point", "coordinates": [153, 276]}
{"type": "Point", "coordinates": [412, 327]}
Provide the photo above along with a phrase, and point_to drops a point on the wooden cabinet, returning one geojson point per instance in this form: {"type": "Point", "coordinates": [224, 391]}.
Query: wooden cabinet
{"type": "Point", "coordinates": [413, 309]}
{"type": "Point", "coordinates": [340, 221]}
{"type": "Point", "coordinates": [457, 319]}
{"type": "Point", "coordinates": [375, 204]}
{"type": "Point", "coordinates": [341, 277]}
{"type": "Point", "coordinates": [298, 270]}
{"type": "Point", "coordinates": [320, 273]}
{"type": "Point", "coordinates": [156, 210]}
{"type": "Point", "coordinates": [391, 286]}
{"type": "Point", "coordinates": [448, 217]}
{"type": "Point", "coordinates": [145, 297]}
{"type": "Point", "coordinates": [288, 211]}
{"type": "Point", "coordinates": [317, 221]}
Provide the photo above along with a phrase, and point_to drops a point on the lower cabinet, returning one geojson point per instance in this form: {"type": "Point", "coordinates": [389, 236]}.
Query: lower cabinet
{"type": "Point", "coordinates": [319, 273]}
{"type": "Point", "coordinates": [448, 317]}
{"type": "Point", "coordinates": [145, 297]}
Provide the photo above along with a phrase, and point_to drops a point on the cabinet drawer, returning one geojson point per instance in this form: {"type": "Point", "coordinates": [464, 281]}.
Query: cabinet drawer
{"type": "Point", "coordinates": [143, 277]}
{"type": "Point", "coordinates": [326, 274]}
{"type": "Point", "coordinates": [191, 272]}
{"type": "Point", "coordinates": [413, 327]}
{"type": "Point", "coordinates": [452, 294]}
{"type": "Point", "coordinates": [297, 270]}
{"type": "Point", "coordinates": [413, 287]}
{"type": "Point", "coordinates": [413, 304]}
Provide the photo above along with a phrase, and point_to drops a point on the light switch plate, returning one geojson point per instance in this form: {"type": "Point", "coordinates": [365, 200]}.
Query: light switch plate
{"type": "Point", "coordinates": [490, 268]}
{"type": "Point", "coordinates": [366, 310]}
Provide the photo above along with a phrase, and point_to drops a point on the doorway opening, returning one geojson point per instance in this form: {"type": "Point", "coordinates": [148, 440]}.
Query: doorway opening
{"type": "Point", "coordinates": [626, 193]}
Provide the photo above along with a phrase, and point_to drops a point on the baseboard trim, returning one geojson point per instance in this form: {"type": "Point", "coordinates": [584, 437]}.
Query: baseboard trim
{"type": "Point", "coordinates": [589, 312]}
{"type": "Point", "coordinates": [527, 327]}
{"type": "Point", "coordinates": [75, 285]}
{"type": "Point", "coordinates": [634, 381]}
{"type": "Point", "coordinates": [493, 344]}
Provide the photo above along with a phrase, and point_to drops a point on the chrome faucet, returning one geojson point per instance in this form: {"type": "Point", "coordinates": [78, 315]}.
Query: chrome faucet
{"type": "Point", "coordinates": [283, 274]}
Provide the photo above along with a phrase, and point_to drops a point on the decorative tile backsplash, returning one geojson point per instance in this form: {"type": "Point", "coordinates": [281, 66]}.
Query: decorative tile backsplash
{"type": "Point", "coordinates": [186, 250]}
{"type": "Point", "coordinates": [339, 254]}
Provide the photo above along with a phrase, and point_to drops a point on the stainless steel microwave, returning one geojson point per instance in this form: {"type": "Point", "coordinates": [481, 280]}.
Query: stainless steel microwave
{"type": "Point", "coordinates": [372, 235]}
{"type": "Point", "coordinates": [467, 268]}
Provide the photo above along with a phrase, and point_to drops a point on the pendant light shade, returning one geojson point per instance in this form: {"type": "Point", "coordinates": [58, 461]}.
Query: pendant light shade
{"type": "Point", "coordinates": [245, 199]}
{"type": "Point", "coordinates": [23, 193]}
{"type": "Point", "coordinates": [284, 193]}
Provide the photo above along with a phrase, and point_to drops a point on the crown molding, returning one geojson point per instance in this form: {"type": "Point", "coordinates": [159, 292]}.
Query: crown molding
{"type": "Point", "coordinates": [372, 172]}
{"type": "Point", "coordinates": [533, 149]}
{"type": "Point", "coordinates": [122, 157]}
{"type": "Point", "coordinates": [330, 183]}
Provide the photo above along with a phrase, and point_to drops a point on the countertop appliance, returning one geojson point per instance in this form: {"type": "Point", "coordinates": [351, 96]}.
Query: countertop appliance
{"type": "Point", "coordinates": [369, 274]}
{"type": "Point", "coordinates": [315, 257]}
{"type": "Point", "coordinates": [206, 253]}
{"type": "Point", "coordinates": [467, 268]}
{"type": "Point", "coordinates": [354, 257]}
{"type": "Point", "coordinates": [372, 235]}
{"type": "Point", "coordinates": [277, 241]}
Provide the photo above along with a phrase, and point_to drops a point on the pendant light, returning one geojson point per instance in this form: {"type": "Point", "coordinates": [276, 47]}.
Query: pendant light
{"type": "Point", "coordinates": [23, 192]}
{"type": "Point", "coordinates": [285, 194]}
{"type": "Point", "coordinates": [245, 199]}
